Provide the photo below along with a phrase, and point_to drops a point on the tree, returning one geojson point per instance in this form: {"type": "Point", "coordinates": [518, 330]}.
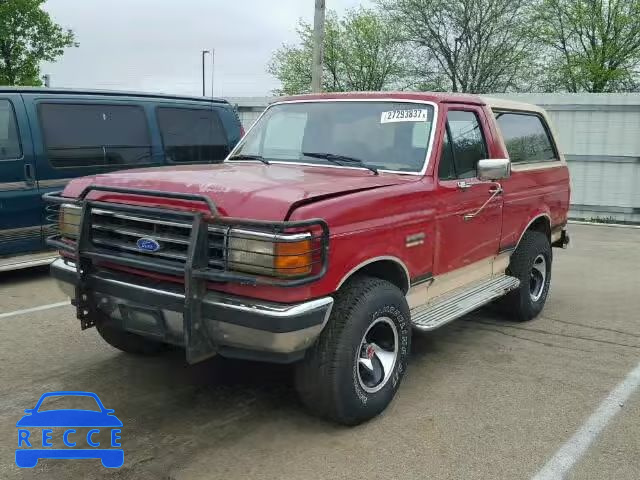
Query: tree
{"type": "Point", "coordinates": [476, 46]}
{"type": "Point", "coordinates": [361, 52]}
{"type": "Point", "coordinates": [28, 36]}
{"type": "Point", "coordinates": [595, 44]}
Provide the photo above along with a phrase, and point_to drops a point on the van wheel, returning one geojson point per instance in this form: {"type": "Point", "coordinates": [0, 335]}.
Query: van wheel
{"type": "Point", "coordinates": [531, 264]}
{"type": "Point", "coordinates": [354, 369]}
{"type": "Point", "coordinates": [126, 341]}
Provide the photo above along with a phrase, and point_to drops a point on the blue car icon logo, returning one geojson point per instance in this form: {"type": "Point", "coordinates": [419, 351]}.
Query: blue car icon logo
{"type": "Point", "coordinates": [62, 433]}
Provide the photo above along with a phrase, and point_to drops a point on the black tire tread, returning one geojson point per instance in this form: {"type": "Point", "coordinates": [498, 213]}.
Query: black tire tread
{"type": "Point", "coordinates": [516, 303]}
{"type": "Point", "coordinates": [316, 376]}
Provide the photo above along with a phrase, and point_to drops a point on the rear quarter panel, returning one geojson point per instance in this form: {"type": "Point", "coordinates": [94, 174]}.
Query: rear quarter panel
{"type": "Point", "coordinates": [533, 190]}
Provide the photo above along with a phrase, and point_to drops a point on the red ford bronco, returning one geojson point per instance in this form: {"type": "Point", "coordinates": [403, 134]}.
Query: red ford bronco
{"type": "Point", "coordinates": [338, 225]}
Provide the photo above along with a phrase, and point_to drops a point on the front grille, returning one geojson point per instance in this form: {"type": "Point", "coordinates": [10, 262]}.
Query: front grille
{"type": "Point", "coordinates": [244, 251]}
{"type": "Point", "coordinates": [117, 231]}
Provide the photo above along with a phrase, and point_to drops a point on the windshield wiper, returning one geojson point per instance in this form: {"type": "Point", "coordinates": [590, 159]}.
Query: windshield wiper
{"type": "Point", "coordinates": [341, 160]}
{"type": "Point", "coordinates": [246, 156]}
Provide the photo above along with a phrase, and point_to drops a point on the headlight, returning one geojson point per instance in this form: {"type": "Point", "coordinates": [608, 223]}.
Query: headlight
{"type": "Point", "coordinates": [69, 220]}
{"type": "Point", "coordinates": [269, 254]}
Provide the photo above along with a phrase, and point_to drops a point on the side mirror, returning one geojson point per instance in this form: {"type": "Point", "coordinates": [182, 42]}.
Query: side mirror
{"type": "Point", "coordinates": [490, 169]}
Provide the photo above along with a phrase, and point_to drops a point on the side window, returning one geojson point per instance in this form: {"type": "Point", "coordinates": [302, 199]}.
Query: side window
{"type": "Point", "coordinates": [9, 139]}
{"type": "Point", "coordinates": [192, 135]}
{"type": "Point", "coordinates": [526, 137]}
{"type": "Point", "coordinates": [93, 135]}
{"type": "Point", "coordinates": [467, 142]}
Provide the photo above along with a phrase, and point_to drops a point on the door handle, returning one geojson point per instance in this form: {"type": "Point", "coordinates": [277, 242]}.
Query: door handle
{"type": "Point", "coordinates": [462, 185]}
{"type": "Point", "coordinates": [495, 190]}
{"type": "Point", "coordinates": [28, 174]}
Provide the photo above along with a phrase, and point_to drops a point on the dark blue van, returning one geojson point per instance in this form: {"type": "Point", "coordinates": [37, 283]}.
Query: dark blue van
{"type": "Point", "coordinates": [48, 136]}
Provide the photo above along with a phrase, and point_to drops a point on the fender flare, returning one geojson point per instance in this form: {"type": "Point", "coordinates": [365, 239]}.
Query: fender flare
{"type": "Point", "coordinates": [369, 261]}
{"type": "Point", "coordinates": [526, 228]}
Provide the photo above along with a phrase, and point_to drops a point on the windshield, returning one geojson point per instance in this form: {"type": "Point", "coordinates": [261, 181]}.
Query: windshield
{"type": "Point", "coordinates": [386, 135]}
{"type": "Point", "coordinates": [69, 402]}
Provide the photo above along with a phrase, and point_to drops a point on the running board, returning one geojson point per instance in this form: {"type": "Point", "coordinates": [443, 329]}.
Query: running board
{"type": "Point", "coordinates": [429, 317]}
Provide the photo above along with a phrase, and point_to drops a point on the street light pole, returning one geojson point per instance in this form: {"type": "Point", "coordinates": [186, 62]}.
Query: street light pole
{"type": "Point", "coordinates": [213, 66]}
{"type": "Point", "coordinates": [204, 52]}
{"type": "Point", "coordinates": [318, 41]}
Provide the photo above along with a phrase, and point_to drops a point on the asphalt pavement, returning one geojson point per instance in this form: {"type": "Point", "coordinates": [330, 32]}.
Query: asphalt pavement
{"type": "Point", "coordinates": [484, 398]}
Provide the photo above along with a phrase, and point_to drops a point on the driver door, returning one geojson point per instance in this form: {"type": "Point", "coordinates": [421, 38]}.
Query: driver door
{"type": "Point", "coordinates": [465, 247]}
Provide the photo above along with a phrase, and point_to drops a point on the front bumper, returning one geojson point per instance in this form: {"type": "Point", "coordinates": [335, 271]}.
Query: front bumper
{"type": "Point", "coordinates": [232, 326]}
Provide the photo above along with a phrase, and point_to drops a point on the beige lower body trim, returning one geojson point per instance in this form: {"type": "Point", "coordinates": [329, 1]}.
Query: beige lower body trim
{"type": "Point", "coordinates": [527, 167]}
{"type": "Point", "coordinates": [56, 182]}
{"type": "Point", "coordinates": [6, 186]}
{"type": "Point", "coordinates": [425, 293]}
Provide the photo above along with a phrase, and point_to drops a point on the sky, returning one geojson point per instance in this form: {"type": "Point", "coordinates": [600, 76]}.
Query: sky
{"type": "Point", "coordinates": [155, 45]}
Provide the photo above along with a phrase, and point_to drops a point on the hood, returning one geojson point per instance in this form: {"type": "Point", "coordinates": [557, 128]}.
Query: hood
{"type": "Point", "coordinates": [247, 189]}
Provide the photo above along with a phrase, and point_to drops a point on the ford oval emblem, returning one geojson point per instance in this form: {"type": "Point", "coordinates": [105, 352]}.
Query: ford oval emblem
{"type": "Point", "coordinates": [148, 244]}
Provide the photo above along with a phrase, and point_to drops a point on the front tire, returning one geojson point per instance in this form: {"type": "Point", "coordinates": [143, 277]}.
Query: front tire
{"type": "Point", "coordinates": [126, 341]}
{"type": "Point", "coordinates": [531, 264]}
{"type": "Point", "coordinates": [354, 369]}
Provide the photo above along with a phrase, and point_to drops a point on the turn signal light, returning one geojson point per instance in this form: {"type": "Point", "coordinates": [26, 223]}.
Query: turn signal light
{"type": "Point", "coordinates": [293, 258]}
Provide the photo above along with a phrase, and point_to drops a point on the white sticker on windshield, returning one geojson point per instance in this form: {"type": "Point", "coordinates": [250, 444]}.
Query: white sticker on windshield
{"type": "Point", "coordinates": [405, 115]}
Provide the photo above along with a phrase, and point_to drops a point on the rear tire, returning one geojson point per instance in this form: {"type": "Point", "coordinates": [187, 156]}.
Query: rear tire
{"type": "Point", "coordinates": [354, 369]}
{"type": "Point", "coordinates": [126, 341]}
{"type": "Point", "coordinates": [531, 264]}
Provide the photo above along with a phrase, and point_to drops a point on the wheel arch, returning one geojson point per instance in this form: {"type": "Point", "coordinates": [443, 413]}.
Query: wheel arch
{"type": "Point", "coordinates": [388, 268]}
{"type": "Point", "coordinates": [539, 223]}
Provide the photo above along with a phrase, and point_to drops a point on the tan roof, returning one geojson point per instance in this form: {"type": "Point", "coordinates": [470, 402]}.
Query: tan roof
{"type": "Point", "coordinates": [512, 105]}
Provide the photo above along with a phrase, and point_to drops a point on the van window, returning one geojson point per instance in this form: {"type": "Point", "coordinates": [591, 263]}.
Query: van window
{"type": "Point", "coordinates": [526, 138]}
{"type": "Point", "coordinates": [88, 135]}
{"type": "Point", "coordinates": [9, 139]}
{"type": "Point", "coordinates": [192, 135]}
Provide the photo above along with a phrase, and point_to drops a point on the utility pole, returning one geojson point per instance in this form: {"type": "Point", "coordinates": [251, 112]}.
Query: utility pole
{"type": "Point", "coordinates": [204, 52]}
{"type": "Point", "coordinates": [318, 43]}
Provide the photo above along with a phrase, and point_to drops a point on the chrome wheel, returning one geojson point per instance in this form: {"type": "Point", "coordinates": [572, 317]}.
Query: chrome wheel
{"type": "Point", "coordinates": [538, 277]}
{"type": "Point", "coordinates": [376, 358]}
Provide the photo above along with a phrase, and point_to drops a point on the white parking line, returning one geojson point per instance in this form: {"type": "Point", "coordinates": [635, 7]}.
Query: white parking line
{"type": "Point", "coordinates": [567, 456]}
{"type": "Point", "coordinates": [33, 309]}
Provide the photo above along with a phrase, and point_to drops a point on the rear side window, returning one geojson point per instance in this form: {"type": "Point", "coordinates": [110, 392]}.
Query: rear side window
{"type": "Point", "coordinates": [88, 135]}
{"type": "Point", "coordinates": [526, 137]}
{"type": "Point", "coordinates": [191, 135]}
{"type": "Point", "coordinates": [9, 139]}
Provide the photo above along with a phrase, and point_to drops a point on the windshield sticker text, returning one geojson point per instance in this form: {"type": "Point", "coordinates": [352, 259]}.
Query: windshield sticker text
{"type": "Point", "coordinates": [405, 115]}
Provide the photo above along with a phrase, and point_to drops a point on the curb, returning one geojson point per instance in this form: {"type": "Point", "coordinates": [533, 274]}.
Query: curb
{"type": "Point", "coordinates": [613, 225]}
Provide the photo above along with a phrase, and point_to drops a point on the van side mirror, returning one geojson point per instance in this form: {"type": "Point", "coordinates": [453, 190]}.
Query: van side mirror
{"type": "Point", "coordinates": [491, 169]}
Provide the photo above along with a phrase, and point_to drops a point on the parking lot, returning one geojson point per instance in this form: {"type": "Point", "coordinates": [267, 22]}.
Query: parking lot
{"type": "Point", "coordinates": [483, 399]}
